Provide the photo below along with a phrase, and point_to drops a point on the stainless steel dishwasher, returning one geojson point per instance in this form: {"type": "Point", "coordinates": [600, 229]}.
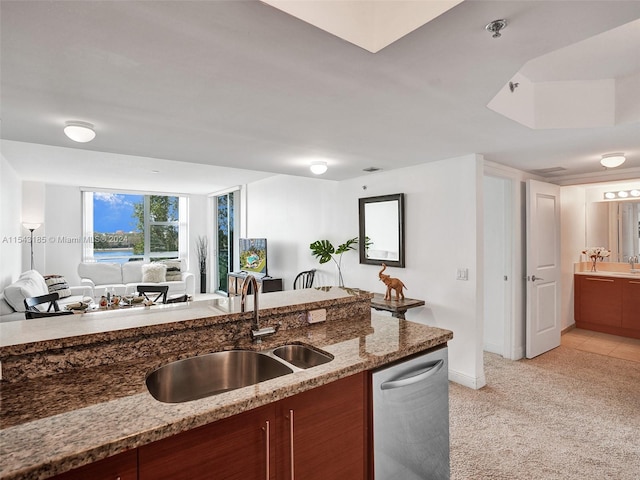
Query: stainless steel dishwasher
{"type": "Point", "coordinates": [411, 418]}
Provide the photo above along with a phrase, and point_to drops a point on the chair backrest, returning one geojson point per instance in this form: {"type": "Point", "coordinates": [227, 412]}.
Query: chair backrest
{"type": "Point", "coordinates": [30, 314]}
{"type": "Point", "coordinates": [304, 279]}
{"type": "Point", "coordinates": [31, 303]}
{"type": "Point", "coordinates": [159, 290]}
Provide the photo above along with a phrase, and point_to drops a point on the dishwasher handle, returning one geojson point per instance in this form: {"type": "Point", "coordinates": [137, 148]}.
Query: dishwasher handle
{"type": "Point", "coordinates": [431, 369]}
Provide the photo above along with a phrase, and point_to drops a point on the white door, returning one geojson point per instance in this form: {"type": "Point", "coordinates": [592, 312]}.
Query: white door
{"type": "Point", "coordinates": [543, 267]}
{"type": "Point", "coordinates": [498, 238]}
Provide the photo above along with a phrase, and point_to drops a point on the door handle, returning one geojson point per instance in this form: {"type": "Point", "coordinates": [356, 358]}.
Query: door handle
{"type": "Point", "coordinates": [431, 369]}
{"type": "Point", "coordinates": [534, 278]}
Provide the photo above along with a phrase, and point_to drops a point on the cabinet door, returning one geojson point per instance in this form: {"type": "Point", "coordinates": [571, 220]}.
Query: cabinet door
{"type": "Point", "coordinates": [600, 301]}
{"type": "Point", "coordinates": [631, 304]}
{"type": "Point", "coordinates": [322, 432]}
{"type": "Point", "coordinates": [232, 448]}
{"type": "Point", "coordinates": [123, 466]}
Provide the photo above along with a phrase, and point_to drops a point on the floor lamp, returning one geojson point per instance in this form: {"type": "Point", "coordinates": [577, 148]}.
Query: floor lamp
{"type": "Point", "coordinates": [31, 227]}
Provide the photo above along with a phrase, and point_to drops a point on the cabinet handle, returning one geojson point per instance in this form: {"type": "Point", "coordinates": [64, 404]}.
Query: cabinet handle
{"type": "Point", "coordinates": [635, 283]}
{"type": "Point", "coordinates": [266, 429]}
{"type": "Point", "coordinates": [598, 279]}
{"type": "Point", "coordinates": [291, 428]}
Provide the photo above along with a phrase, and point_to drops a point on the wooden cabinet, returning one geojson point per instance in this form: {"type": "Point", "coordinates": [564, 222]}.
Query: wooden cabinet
{"type": "Point", "coordinates": [321, 432]}
{"type": "Point", "coordinates": [631, 305]}
{"type": "Point", "coordinates": [238, 447]}
{"type": "Point", "coordinates": [606, 304]}
{"type": "Point", "coordinates": [123, 466]}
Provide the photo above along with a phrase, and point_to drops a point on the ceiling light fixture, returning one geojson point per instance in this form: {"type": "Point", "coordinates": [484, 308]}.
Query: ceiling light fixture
{"type": "Point", "coordinates": [318, 167]}
{"type": "Point", "coordinates": [495, 27]}
{"type": "Point", "coordinates": [81, 132]}
{"type": "Point", "coordinates": [612, 160]}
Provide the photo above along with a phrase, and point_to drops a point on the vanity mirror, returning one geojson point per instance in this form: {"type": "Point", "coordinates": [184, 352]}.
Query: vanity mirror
{"type": "Point", "coordinates": [616, 224]}
{"type": "Point", "coordinates": [382, 230]}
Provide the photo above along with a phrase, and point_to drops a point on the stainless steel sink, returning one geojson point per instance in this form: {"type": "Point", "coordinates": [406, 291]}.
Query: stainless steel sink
{"type": "Point", "coordinates": [205, 375]}
{"type": "Point", "coordinates": [302, 356]}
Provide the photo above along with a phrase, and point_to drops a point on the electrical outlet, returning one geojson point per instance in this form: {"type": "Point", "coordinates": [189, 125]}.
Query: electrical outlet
{"type": "Point", "coordinates": [463, 274]}
{"type": "Point", "coordinates": [316, 316]}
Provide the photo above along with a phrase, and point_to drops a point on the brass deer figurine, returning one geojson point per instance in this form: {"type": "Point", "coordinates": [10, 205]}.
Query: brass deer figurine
{"type": "Point", "coordinates": [392, 284]}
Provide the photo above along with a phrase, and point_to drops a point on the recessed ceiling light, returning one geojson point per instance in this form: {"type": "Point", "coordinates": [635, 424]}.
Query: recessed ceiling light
{"type": "Point", "coordinates": [155, 171]}
{"type": "Point", "coordinates": [635, 193]}
{"type": "Point", "coordinates": [623, 194]}
{"type": "Point", "coordinates": [612, 160]}
{"type": "Point", "coordinates": [318, 167]}
{"type": "Point", "coordinates": [81, 132]}
{"type": "Point", "coordinates": [609, 195]}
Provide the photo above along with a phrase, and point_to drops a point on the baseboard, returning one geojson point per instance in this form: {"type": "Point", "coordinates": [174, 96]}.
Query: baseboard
{"type": "Point", "coordinates": [467, 381]}
{"type": "Point", "coordinates": [493, 348]}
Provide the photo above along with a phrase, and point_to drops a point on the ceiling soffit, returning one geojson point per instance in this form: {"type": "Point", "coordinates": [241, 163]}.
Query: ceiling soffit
{"type": "Point", "coordinates": [371, 25]}
{"type": "Point", "coordinates": [576, 86]}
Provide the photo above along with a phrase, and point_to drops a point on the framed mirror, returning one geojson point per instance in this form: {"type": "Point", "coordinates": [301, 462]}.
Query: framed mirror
{"type": "Point", "coordinates": [382, 230]}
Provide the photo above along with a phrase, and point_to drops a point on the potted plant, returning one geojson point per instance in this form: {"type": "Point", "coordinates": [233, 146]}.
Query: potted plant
{"type": "Point", "coordinates": [202, 250]}
{"type": "Point", "coordinates": [324, 251]}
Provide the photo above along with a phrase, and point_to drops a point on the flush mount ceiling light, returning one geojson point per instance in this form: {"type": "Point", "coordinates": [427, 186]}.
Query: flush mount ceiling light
{"type": "Point", "coordinates": [81, 132]}
{"type": "Point", "coordinates": [318, 167]}
{"type": "Point", "coordinates": [495, 27]}
{"type": "Point", "coordinates": [612, 160]}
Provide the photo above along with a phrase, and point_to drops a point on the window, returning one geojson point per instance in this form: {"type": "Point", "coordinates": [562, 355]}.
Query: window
{"type": "Point", "coordinates": [123, 227]}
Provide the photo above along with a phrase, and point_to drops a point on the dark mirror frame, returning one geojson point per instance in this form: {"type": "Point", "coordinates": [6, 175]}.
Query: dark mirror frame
{"type": "Point", "coordinates": [397, 197]}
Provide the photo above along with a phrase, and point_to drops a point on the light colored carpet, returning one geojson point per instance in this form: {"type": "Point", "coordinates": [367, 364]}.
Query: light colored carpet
{"type": "Point", "coordinates": [567, 414]}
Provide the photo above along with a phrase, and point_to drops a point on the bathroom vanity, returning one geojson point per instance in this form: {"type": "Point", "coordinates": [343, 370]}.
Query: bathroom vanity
{"type": "Point", "coordinates": [608, 302]}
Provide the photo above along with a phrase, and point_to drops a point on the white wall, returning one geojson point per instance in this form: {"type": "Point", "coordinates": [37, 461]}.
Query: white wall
{"type": "Point", "coordinates": [10, 224]}
{"type": "Point", "coordinates": [293, 212]}
{"type": "Point", "coordinates": [443, 233]}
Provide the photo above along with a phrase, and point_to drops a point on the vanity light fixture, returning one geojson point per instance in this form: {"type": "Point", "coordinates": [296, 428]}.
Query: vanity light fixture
{"type": "Point", "coordinates": [635, 193]}
{"type": "Point", "coordinates": [81, 132]}
{"type": "Point", "coordinates": [612, 160]}
{"type": "Point", "coordinates": [318, 167]}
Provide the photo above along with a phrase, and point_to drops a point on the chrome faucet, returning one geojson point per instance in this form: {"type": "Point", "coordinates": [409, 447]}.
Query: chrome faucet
{"type": "Point", "coordinates": [633, 259]}
{"type": "Point", "coordinates": [256, 332]}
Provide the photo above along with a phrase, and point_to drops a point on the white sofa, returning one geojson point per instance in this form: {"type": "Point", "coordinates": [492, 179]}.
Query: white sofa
{"type": "Point", "coordinates": [32, 284]}
{"type": "Point", "coordinates": [124, 278]}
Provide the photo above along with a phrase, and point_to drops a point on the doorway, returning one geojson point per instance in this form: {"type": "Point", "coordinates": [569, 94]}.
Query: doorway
{"type": "Point", "coordinates": [225, 206]}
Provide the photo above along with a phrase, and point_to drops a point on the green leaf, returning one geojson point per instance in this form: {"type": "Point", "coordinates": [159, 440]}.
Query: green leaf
{"type": "Point", "coordinates": [323, 249]}
{"type": "Point", "coordinates": [348, 245]}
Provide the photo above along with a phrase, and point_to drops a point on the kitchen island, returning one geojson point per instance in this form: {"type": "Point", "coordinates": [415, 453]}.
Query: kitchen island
{"type": "Point", "coordinates": [74, 398]}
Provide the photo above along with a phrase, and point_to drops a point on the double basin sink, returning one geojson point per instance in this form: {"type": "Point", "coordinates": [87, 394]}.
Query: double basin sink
{"type": "Point", "coordinates": [206, 375]}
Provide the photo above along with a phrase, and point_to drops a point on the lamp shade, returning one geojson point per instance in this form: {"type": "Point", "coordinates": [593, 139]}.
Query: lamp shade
{"type": "Point", "coordinates": [30, 226]}
{"type": "Point", "coordinates": [81, 132]}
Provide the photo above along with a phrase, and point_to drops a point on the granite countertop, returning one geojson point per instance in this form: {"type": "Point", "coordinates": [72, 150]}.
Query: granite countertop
{"type": "Point", "coordinates": [55, 423]}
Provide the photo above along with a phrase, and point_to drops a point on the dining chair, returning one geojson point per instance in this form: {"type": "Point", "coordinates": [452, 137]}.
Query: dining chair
{"type": "Point", "coordinates": [160, 292]}
{"type": "Point", "coordinates": [304, 279]}
{"type": "Point", "coordinates": [32, 311]}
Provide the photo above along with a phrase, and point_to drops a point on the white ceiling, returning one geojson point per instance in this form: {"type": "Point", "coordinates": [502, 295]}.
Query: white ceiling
{"type": "Point", "coordinates": [240, 84]}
